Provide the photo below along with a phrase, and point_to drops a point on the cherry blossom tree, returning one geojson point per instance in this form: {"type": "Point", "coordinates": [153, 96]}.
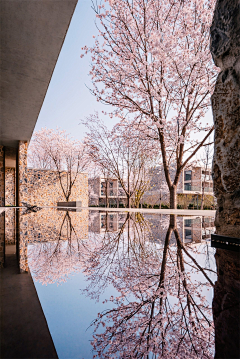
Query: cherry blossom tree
{"type": "Point", "coordinates": [55, 149]}
{"type": "Point", "coordinates": [160, 309]}
{"type": "Point", "coordinates": [121, 154]}
{"type": "Point", "coordinates": [206, 162]}
{"type": "Point", "coordinates": [152, 60]}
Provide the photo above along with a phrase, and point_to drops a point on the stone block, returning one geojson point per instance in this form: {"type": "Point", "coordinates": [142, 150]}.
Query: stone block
{"type": "Point", "coordinates": [70, 204]}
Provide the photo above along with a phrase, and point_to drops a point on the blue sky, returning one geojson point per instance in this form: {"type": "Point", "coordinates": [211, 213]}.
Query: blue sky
{"type": "Point", "coordinates": [68, 99]}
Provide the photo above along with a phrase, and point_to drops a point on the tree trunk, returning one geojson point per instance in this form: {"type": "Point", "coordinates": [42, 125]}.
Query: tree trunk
{"type": "Point", "coordinates": [173, 221]}
{"type": "Point", "coordinates": [128, 202]}
{"type": "Point", "coordinates": [202, 199]}
{"type": "Point", "coordinates": [173, 197]}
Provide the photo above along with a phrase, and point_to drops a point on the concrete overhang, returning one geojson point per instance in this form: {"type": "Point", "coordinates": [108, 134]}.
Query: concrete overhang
{"type": "Point", "coordinates": [32, 34]}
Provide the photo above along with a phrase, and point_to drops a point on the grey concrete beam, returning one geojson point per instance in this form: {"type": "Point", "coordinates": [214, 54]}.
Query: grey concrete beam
{"type": "Point", "coordinates": [31, 37]}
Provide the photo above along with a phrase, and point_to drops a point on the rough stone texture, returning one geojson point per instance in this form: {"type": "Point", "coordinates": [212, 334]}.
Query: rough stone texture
{"type": "Point", "coordinates": [10, 187]}
{"type": "Point", "coordinates": [225, 49]}
{"type": "Point", "coordinates": [196, 178]}
{"type": "Point", "coordinates": [10, 226]}
{"type": "Point", "coordinates": [2, 219]}
{"type": "Point", "coordinates": [49, 225]}
{"type": "Point", "coordinates": [22, 173]}
{"type": "Point", "coordinates": [10, 200]}
{"type": "Point", "coordinates": [2, 243]}
{"type": "Point", "coordinates": [44, 188]}
{"type": "Point", "coordinates": [22, 222]}
{"type": "Point", "coordinates": [1, 176]}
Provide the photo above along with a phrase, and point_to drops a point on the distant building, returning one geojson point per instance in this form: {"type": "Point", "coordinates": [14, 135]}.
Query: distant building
{"type": "Point", "coordinates": [192, 229]}
{"type": "Point", "coordinates": [101, 222]}
{"type": "Point", "coordinates": [106, 192]}
{"type": "Point", "coordinates": [194, 181]}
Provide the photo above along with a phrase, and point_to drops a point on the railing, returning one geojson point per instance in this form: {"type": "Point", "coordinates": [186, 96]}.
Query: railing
{"type": "Point", "coordinates": [206, 178]}
{"type": "Point", "coordinates": [208, 189]}
{"type": "Point", "coordinates": [188, 187]}
{"type": "Point", "coordinates": [112, 193]}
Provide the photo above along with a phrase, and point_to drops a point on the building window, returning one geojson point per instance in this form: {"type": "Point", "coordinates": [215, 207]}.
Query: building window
{"type": "Point", "coordinates": [102, 192]}
{"type": "Point", "coordinates": [188, 233]}
{"type": "Point", "coordinates": [187, 175]}
{"type": "Point", "coordinates": [187, 187]}
{"type": "Point", "coordinates": [188, 222]}
{"type": "Point", "coordinates": [110, 184]}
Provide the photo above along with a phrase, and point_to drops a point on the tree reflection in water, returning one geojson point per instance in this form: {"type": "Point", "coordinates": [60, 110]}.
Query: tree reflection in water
{"type": "Point", "coordinates": [161, 310]}
{"type": "Point", "coordinates": [53, 261]}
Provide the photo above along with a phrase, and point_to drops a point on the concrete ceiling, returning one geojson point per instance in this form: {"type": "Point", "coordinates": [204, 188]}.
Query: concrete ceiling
{"type": "Point", "coordinates": [32, 34]}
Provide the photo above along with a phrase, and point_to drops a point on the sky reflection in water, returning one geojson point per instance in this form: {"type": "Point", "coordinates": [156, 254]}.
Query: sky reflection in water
{"type": "Point", "coordinates": [150, 278]}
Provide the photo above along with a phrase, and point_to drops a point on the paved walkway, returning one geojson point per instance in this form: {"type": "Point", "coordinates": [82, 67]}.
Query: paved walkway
{"type": "Point", "coordinates": [24, 331]}
{"type": "Point", "coordinates": [179, 212]}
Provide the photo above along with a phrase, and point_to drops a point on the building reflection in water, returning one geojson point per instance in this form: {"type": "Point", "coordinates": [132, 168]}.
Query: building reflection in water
{"type": "Point", "coordinates": [191, 228]}
{"type": "Point", "coordinates": [163, 308]}
{"type": "Point", "coordinates": [56, 236]}
{"type": "Point", "coordinates": [162, 267]}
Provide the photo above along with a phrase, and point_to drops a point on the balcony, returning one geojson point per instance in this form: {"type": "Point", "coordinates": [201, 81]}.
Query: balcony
{"type": "Point", "coordinates": [206, 178]}
{"type": "Point", "coordinates": [208, 189]}
{"type": "Point", "coordinates": [189, 187]}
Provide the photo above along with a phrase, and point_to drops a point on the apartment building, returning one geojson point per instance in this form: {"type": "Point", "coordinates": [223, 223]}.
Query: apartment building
{"type": "Point", "coordinates": [194, 182]}
{"type": "Point", "coordinates": [106, 192]}
{"type": "Point", "coordinates": [101, 222]}
{"type": "Point", "coordinates": [192, 229]}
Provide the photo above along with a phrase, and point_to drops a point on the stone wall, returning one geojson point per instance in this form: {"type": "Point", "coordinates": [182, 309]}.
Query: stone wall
{"type": "Point", "coordinates": [197, 178]}
{"type": "Point", "coordinates": [50, 225]}
{"type": "Point", "coordinates": [44, 188]}
{"type": "Point", "coordinates": [2, 215]}
{"type": "Point", "coordinates": [10, 183]}
{"type": "Point", "coordinates": [22, 173]}
{"type": "Point", "coordinates": [10, 200]}
{"type": "Point", "coordinates": [2, 245]}
{"type": "Point", "coordinates": [94, 189]}
{"type": "Point", "coordinates": [1, 176]}
{"type": "Point", "coordinates": [225, 49]}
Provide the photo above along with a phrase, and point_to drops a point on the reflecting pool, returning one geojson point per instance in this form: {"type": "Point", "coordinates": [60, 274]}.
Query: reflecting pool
{"type": "Point", "coordinates": [122, 284]}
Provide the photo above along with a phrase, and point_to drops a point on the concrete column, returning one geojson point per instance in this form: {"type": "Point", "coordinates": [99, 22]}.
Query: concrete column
{"type": "Point", "coordinates": [22, 195]}
{"type": "Point", "coordinates": [2, 203]}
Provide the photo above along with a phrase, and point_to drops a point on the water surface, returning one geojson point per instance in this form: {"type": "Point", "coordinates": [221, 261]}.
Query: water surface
{"type": "Point", "coordinates": [123, 284]}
